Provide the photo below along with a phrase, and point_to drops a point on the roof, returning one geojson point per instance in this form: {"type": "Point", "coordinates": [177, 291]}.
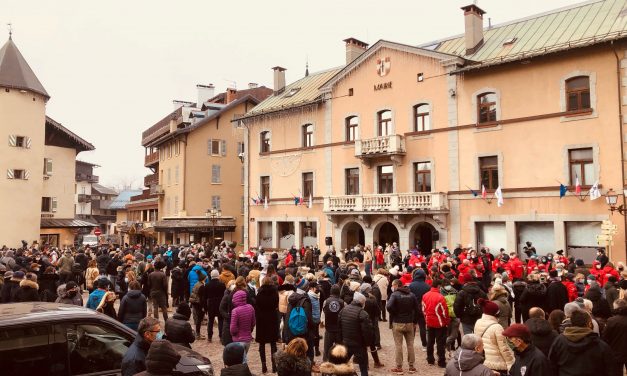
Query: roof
{"type": "Point", "coordinates": [74, 140]}
{"type": "Point", "coordinates": [195, 224]}
{"type": "Point", "coordinates": [260, 93]}
{"type": "Point", "coordinates": [15, 73]}
{"type": "Point", "coordinates": [123, 198]}
{"type": "Point", "coordinates": [70, 222]}
{"type": "Point", "coordinates": [161, 127]}
{"type": "Point", "coordinates": [87, 163]}
{"type": "Point", "coordinates": [103, 190]}
{"type": "Point", "coordinates": [579, 25]}
{"type": "Point", "coordinates": [301, 92]}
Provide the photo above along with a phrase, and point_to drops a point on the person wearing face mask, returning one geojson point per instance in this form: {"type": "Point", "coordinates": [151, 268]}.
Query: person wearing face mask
{"type": "Point", "coordinates": [468, 359]}
{"type": "Point", "coordinates": [602, 258]}
{"type": "Point", "coordinates": [69, 294]}
{"type": "Point", "coordinates": [134, 360]}
{"type": "Point", "coordinates": [529, 359]}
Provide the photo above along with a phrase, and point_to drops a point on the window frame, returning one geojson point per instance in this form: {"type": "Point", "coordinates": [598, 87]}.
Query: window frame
{"type": "Point", "coordinates": [264, 186]}
{"type": "Point", "coordinates": [490, 169]}
{"type": "Point", "coordinates": [264, 142]}
{"type": "Point", "coordinates": [216, 174]}
{"type": "Point", "coordinates": [307, 183]}
{"type": "Point", "coordinates": [351, 181]}
{"type": "Point", "coordinates": [426, 177]}
{"type": "Point", "coordinates": [351, 130]}
{"type": "Point", "coordinates": [307, 132]}
{"type": "Point", "coordinates": [380, 180]}
{"type": "Point", "coordinates": [388, 123]}
{"type": "Point", "coordinates": [419, 118]}
{"type": "Point", "coordinates": [578, 91]}
{"type": "Point", "coordinates": [581, 163]}
{"type": "Point", "coordinates": [488, 105]}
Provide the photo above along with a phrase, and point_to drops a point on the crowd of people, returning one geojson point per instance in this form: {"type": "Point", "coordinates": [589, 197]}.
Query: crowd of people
{"type": "Point", "coordinates": [476, 312]}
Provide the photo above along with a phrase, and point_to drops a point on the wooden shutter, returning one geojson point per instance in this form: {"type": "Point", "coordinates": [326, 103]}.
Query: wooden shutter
{"type": "Point", "coordinates": [10, 173]}
{"type": "Point", "coordinates": [12, 140]}
{"type": "Point", "coordinates": [48, 167]}
{"type": "Point", "coordinates": [54, 204]}
{"type": "Point", "coordinates": [26, 175]}
{"type": "Point", "coordinates": [223, 147]}
{"type": "Point", "coordinates": [215, 173]}
{"type": "Point", "coordinates": [209, 147]}
{"type": "Point", "coordinates": [218, 202]}
{"type": "Point", "coordinates": [27, 142]}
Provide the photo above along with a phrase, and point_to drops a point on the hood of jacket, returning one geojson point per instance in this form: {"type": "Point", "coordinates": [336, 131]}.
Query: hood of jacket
{"type": "Point", "coordinates": [404, 290]}
{"type": "Point", "coordinates": [536, 289]}
{"type": "Point", "coordinates": [29, 284]}
{"type": "Point", "coordinates": [499, 294]}
{"type": "Point", "coordinates": [227, 274]}
{"type": "Point", "coordinates": [539, 327]}
{"type": "Point", "coordinates": [337, 369]}
{"type": "Point", "coordinates": [579, 339]}
{"type": "Point", "coordinates": [471, 288]}
{"type": "Point", "coordinates": [594, 293]}
{"type": "Point", "coordinates": [239, 298]}
{"type": "Point", "coordinates": [134, 294]}
{"type": "Point", "coordinates": [295, 298]}
{"type": "Point", "coordinates": [465, 360]}
{"type": "Point", "coordinates": [419, 275]}
{"type": "Point", "coordinates": [290, 365]}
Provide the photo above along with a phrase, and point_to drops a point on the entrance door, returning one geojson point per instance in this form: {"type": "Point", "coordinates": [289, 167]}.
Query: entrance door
{"type": "Point", "coordinates": [354, 235]}
{"type": "Point", "coordinates": [388, 234]}
{"type": "Point", "coordinates": [386, 179]}
{"type": "Point", "coordinates": [423, 237]}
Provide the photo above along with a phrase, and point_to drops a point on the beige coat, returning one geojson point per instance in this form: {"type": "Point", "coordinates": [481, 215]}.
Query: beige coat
{"type": "Point", "coordinates": [499, 296]}
{"type": "Point", "coordinates": [382, 282]}
{"type": "Point", "coordinates": [498, 356]}
{"type": "Point", "coordinates": [90, 276]}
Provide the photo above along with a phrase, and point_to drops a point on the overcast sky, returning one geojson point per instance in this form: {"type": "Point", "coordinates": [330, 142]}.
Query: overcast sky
{"type": "Point", "coordinates": [113, 67]}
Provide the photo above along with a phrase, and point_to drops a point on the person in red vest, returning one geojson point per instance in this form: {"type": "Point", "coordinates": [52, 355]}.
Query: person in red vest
{"type": "Point", "coordinates": [435, 310]}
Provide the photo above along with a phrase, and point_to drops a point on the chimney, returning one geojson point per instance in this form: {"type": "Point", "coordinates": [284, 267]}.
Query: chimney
{"type": "Point", "coordinates": [279, 79]}
{"type": "Point", "coordinates": [473, 20]}
{"type": "Point", "coordinates": [230, 95]}
{"type": "Point", "coordinates": [252, 85]}
{"type": "Point", "coordinates": [354, 48]}
{"type": "Point", "coordinates": [205, 92]}
{"type": "Point", "coordinates": [178, 104]}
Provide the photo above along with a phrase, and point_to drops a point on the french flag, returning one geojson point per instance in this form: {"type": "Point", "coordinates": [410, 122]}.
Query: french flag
{"type": "Point", "coordinates": [577, 185]}
{"type": "Point", "coordinates": [484, 193]}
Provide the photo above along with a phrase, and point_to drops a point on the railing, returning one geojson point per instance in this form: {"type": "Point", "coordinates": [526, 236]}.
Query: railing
{"type": "Point", "coordinates": [87, 177]}
{"type": "Point", "coordinates": [150, 180]}
{"type": "Point", "coordinates": [386, 202]}
{"type": "Point", "coordinates": [84, 198]}
{"type": "Point", "coordinates": [380, 145]}
{"type": "Point", "coordinates": [151, 159]}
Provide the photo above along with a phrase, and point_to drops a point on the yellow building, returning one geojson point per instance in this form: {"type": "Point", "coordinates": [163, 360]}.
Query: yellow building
{"type": "Point", "coordinates": [397, 145]}
{"type": "Point", "coordinates": [198, 167]}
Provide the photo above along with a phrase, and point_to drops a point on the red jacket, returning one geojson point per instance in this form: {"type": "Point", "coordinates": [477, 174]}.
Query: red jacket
{"type": "Point", "coordinates": [572, 290]}
{"type": "Point", "coordinates": [435, 309]}
{"type": "Point", "coordinates": [406, 279]}
{"type": "Point", "coordinates": [516, 267]}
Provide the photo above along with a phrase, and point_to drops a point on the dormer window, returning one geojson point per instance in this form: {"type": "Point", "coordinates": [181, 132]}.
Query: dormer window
{"type": "Point", "coordinates": [292, 92]}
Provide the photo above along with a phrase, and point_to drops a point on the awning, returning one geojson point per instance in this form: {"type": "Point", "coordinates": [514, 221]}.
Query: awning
{"type": "Point", "coordinates": [196, 225]}
{"type": "Point", "coordinates": [61, 223]}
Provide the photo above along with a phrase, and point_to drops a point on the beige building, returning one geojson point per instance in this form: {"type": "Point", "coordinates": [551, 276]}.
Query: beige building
{"type": "Point", "coordinates": [199, 167]}
{"type": "Point", "coordinates": [397, 144]}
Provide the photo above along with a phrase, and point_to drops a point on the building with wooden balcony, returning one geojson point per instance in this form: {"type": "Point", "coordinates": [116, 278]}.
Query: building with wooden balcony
{"type": "Point", "coordinates": [398, 144]}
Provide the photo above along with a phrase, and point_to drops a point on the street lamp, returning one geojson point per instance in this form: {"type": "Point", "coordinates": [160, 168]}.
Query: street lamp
{"type": "Point", "coordinates": [213, 214]}
{"type": "Point", "coordinates": [611, 198]}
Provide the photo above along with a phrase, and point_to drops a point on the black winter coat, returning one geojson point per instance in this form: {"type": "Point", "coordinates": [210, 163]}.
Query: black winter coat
{"type": "Point", "coordinates": [177, 289]}
{"type": "Point", "coordinates": [133, 307]}
{"type": "Point", "coordinates": [542, 334]}
{"type": "Point", "coordinates": [9, 284]}
{"type": "Point", "coordinates": [586, 356]}
{"type": "Point", "coordinates": [600, 306]}
{"type": "Point", "coordinates": [267, 314]}
{"type": "Point", "coordinates": [533, 296]}
{"type": "Point", "coordinates": [82, 259]}
{"type": "Point", "coordinates": [27, 292]}
{"type": "Point", "coordinates": [48, 284]}
{"type": "Point", "coordinates": [356, 329]}
{"type": "Point", "coordinates": [467, 297]}
{"type": "Point", "coordinates": [615, 334]}
{"type": "Point", "coordinates": [178, 330]}
{"type": "Point", "coordinates": [214, 291]}
{"type": "Point", "coordinates": [331, 308]}
{"type": "Point", "coordinates": [293, 301]}
{"type": "Point", "coordinates": [134, 360]}
{"type": "Point", "coordinates": [236, 370]}
{"type": "Point", "coordinates": [403, 307]}
{"type": "Point", "coordinates": [533, 362]}
{"type": "Point", "coordinates": [290, 365]}
{"type": "Point", "coordinates": [556, 296]}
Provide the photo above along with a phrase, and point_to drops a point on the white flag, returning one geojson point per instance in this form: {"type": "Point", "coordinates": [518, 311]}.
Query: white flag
{"type": "Point", "coordinates": [310, 201]}
{"type": "Point", "coordinates": [499, 196]}
{"type": "Point", "coordinates": [595, 192]}
{"type": "Point", "coordinates": [265, 202]}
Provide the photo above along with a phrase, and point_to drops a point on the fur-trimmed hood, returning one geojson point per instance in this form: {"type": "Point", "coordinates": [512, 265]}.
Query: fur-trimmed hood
{"type": "Point", "coordinates": [288, 364]}
{"type": "Point", "coordinates": [327, 368]}
{"type": "Point", "coordinates": [30, 284]}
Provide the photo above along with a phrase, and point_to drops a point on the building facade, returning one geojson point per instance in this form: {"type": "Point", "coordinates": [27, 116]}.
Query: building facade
{"type": "Point", "coordinates": [400, 143]}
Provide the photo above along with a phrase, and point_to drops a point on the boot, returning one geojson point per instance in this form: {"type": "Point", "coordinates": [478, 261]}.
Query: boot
{"type": "Point", "coordinates": [264, 369]}
{"type": "Point", "coordinates": [273, 365]}
{"type": "Point", "coordinates": [377, 362]}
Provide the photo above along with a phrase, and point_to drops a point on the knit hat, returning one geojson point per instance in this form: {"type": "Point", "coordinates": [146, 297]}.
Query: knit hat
{"type": "Point", "coordinates": [70, 285]}
{"type": "Point", "coordinates": [365, 288]}
{"type": "Point", "coordinates": [233, 354]}
{"type": "Point", "coordinates": [338, 355]}
{"type": "Point", "coordinates": [359, 298]}
{"type": "Point", "coordinates": [162, 358]}
{"type": "Point", "coordinates": [518, 330]}
{"type": "Point", "coordinates": [8, 274]}
{"type": "Point", "coordinates": [355, 273]}
{"type": "Point", "coordinates": [591, 277]}
{"type": "Point", "coordinates": [183, 309]}
{"type": "Point", "coordinates": [215, 274]}
{"type": "Point", "coordinates": [19, 274]}
{"type": "Point", "coordinates": [579, 262]}
{"type": "Point", "coordinates": [489, 307]}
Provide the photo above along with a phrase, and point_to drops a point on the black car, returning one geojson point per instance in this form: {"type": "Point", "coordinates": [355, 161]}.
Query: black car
{"type": "Point", "coordinates": [60, 340]}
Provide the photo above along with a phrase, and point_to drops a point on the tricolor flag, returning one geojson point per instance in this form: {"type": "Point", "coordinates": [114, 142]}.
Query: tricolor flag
{"type": "Point", "coordinates": [484, 193]}
{"type": "Point", "coordinates": [265, 203]}
{"type": "Point", "coordinates": [563, 190]}
{"type": "Point", "coordinates": [499, 196]}
{"type": "Point", "coordinates": [595, 192]}
{"type": "Point", "coordinates": [310, 201]}
{"type": "Point", "coordinates": [577, 185]}
{"type": "Point", "coordinates": [255, 202]}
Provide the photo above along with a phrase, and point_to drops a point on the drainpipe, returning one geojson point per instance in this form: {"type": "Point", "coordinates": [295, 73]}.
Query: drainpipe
{"type": "Point", "coordinates": [184, 173]}
{"type": "Point", "coordinates": [622, 135]}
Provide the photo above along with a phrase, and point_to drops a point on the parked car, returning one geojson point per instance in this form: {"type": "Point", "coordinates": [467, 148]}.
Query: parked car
{"type": "Point", "coordinates": [40, 338]}
{"type": "Point", "coordinates": [90, 240]}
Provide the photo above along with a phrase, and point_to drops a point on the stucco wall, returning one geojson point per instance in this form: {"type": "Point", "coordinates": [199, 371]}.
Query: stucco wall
{"type": "Point", "coordinates": [61, 184]}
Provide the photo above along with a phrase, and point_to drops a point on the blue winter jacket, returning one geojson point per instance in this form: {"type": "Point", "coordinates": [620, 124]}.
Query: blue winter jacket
{"type": "Point", "coordinates": [192, 277]}
{"type": "Point", "coordinates": [95, 298]}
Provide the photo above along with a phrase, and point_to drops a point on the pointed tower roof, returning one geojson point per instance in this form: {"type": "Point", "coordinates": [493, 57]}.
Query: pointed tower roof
{"type": "Point", "coordinates": [15, 73]}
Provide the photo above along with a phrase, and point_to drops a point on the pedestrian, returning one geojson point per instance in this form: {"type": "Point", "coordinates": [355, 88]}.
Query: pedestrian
{"type": "Point", "coordinates": [69, 293]}
{"type": "Point", "coordinates": [161, 359]}
{"type": "Point", "coordinates": [158, 287]}
{"type": "Point", "coordinates": [242, 321]}
{"type": "Point", "coordinates": [10, 283]}
{"type": "Point", "coordinates": [382, 281]}
{"type": "Point", "coordinates": [529, 359]}
{"type": "Point", "coordinates": [65, 264]}
{"type": "Point", "coordinates": [178, 329]}
{"type": "Point", "coordinates": [198, 301]}
{"type": "Point", "coordinates": [133, 306]}
{"type": "Point", "coordinates": [435, 311]}
{"type": "Point", "coordinates": [214, 291]}
{"type": "Point", "coordinates": [419, 287]}
{"type": "Point", "coordinates": [48, 283]}
{"type": "Point", "coordinates": [615, 333]}
{"type": "Point", "coordinates": [499, 295]}
{"type": "Point", "coordinates": [299, 318]}
{"type": "Point", "coordinates": [339, 363]}
{"type": "Point", "coordinates": [542, 332]}
{"type": "Point", "coordinates": [293, 361]}
{"type": "Point", "coordinates": [27, 290]}
{"type": "Point", "coordinates": [468, 359]}
{"type": "Point", "coordinates": [91, 274]}
{"type": "Point", "coordinates": [134, 361]}
{"type": "Point", "coordinates": [404, 311]}
{"type": "Point", "coordinates": [178, 285]}
{"type": "Point", "coordinates": [107, 305]}
{"type": "Point", "coordinates": [556, 293]}
{"type": "Point", "coordinates": [466, 305]}
{"type": "Point", "coordinates": [331, 308]}
{"type": "Point", "coordinates": [233, 358]}
{"type": "Point", "coordinates": [498, 356]}
{"type": "Point", "coordinates": [266, 309]}
{"type": "Point", "coordinates": [356, 331]}
{"type": "Point", "coordinates": [534, 295]}
{"type": "Point", "coordinates": [372, 309]}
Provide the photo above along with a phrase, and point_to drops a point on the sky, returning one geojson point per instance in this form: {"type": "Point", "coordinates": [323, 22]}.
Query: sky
{"type": "Point", "coordinates": [113, 67]}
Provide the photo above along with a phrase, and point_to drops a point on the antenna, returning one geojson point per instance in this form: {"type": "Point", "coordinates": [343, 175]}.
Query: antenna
{"type": "Point", "coordinates": [10, 26]}
{"type": "Point", "coordinates": [306, 65]}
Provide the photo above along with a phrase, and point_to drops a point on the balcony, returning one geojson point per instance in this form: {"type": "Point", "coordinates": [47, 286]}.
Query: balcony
{"type": "Point", "coordinates": [150, 180]}
{"type": "Point", "coordinates": [391, 147]}
{"type": "Point", "coordinates": [87, 177]}
{"type": "Point", "coordinates": [83, 198]}
{"type": "Point", "coordinates": [158, 190]}
{"type": "Point", "coordinates": [395, 202]}
{"type": "Point", "coordinates": [151, 159]}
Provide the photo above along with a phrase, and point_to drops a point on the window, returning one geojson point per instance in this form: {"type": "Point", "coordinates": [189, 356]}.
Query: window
{"type": "Point", "coordinates": [48, 204]}
{"type": "Point", "coordinates": [352, 181]}
{"type": "Point", "coordinates": [48, 167]}
{"type": "Point", "coordinates": [243, 205]}
{"type": "Point", "coordinates": [307, 185]}
{"type": "Point", "coordinates": [169, 176]}
{"type": "Point", "coordinates": [168, 206]}
{"type": "Point", "coordinates": [26, 351]}
{"type": "Point", "coordinates": [240, 148]}
{"type": "Point", "coordinates": [489, 172]}
{"type": "Point", "coordinates": [19, 141]}
{"type": "Point", "coordinates": [486, 108]}
{"type": "Point", "coordinates": [176, 205]}
{"type": "Point", "coordinates": [215, 202]}
{"type": "Point", "coordinates": [352, 128]}
{"type": "Point", "coordinates": [214, 147]}
{"type": "Point", "coordinates": [215, 174]}
{"type": "Point", "coordinates": [17, 174]}
{"type": "Point", "coordinates": [384, 121]}
{"type": "Point", "coordinates": [422, 118]}
{"type": "Point", "coordinates": [307, 135]}
{"type": "Point", "coordinates": [265, 141]}
{"type": "Point", "coordinates": [176, 174]}
{"type": "Point", "coordinates": [243, 177]}
{"type": "Point", "coordinates": [265, 187]}
{"type": "Point", "coordinates": [176, 148]}
{"type": "Point", "coordinates": [578, 93]}
{"type": "Point", "coordinates": [386, 179]}
{"type": "Point", "coordinates": [581, 166]}
{"type": "Point", "coordinates": [422, 177]}
{"type": "Point", "coordinates": [169, 150]}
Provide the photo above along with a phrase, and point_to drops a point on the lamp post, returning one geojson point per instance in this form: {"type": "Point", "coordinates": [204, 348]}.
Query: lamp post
{"type": "Point", "coordinates": [213, 214]}
{"type": "Point", "coordinates": [611, 198]}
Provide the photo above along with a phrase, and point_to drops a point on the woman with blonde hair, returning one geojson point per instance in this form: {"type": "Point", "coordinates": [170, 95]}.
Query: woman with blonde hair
{"type": "Point", "coordinates": [91, 274]}
{"type": "Point", "coordinates": [293, 360]}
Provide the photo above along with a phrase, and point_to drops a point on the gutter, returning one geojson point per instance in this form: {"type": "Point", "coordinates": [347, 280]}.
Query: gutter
{"type": "Point", "coordinates": [621, 138]}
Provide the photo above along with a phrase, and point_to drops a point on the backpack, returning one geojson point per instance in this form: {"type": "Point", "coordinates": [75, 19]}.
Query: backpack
{"type": "Point", "coordinates": [193, 297]}
{"type": "Point", "coordinates": [297, 323]}
{"type": "Point", "coordinates": [473, 309]}
{"type": "Point", "coordinates": [450, 299]}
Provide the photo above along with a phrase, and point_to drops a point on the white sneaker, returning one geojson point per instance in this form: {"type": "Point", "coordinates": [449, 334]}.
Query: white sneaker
{"type": "Point", "coordinates": [424, 348]}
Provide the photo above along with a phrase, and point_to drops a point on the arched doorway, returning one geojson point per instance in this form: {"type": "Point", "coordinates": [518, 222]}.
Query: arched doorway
{"type": "Point", "coordinates": [424, 235]}
{"type": "Point", "coordinates": [353, 234]}
{"type": "Point", "coordinates": [387, 234]}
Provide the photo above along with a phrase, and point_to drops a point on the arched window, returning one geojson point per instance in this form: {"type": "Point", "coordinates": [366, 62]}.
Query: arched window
{"type": "Point", "coordinates": [307, 135]}
{"type": "Point", "coordinates": [265, 141]}
{"type": "Point", "coordinates": [384, 122]}
{"type": "Point", "coordinates": [486, 108]}
{"type": "Point", "coordinates": [578, 93]}
{"type": "Point", "coordinates": [352, 128]}
{"type": "Point", "coordinates": [422, 118]}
